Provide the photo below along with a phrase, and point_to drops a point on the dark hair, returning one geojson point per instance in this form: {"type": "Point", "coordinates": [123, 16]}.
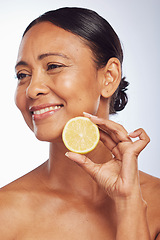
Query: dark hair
{"type": "Point", "coordinates": [97, 34]}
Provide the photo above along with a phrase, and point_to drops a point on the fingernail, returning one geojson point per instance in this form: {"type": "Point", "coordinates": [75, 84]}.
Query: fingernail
{"type": "Point", "coordinates": [89, 115]}
{"type": "Point", "coordinates": [66, 154]}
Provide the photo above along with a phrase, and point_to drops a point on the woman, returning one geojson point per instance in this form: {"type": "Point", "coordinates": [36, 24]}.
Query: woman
{"type": "Point", "coordinates": [69, 64]}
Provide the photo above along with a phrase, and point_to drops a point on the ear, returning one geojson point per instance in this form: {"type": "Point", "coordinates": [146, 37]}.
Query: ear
{"type": "Point", "coordinates": [111, 77]}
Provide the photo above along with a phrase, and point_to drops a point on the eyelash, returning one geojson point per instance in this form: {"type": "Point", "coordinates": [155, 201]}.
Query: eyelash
{"type": "Point", "coordinates": [21, 76]}
{"type": "Point", "coordinates": [53, 66]}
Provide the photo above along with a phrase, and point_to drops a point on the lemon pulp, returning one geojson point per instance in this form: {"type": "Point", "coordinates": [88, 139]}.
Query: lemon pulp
{"type": "Point", "coordinates": [80, 135]}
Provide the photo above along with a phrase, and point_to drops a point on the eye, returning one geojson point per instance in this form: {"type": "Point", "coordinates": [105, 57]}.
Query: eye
{"type": "Point", "coordinates": [21, 76]}
{"type": "Point", "coordinates": [54, 66]}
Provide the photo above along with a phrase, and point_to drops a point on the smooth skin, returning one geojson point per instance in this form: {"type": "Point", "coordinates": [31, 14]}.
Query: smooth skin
{"type": "Point", "coordinates": [98, 196]}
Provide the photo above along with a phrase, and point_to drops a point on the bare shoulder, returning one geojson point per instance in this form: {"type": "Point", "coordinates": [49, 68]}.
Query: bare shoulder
{"type": "Point", "coordinates": [15, 203]}
{"type": "Point", "coordinates": [150, 187]}
{"type": "Point", "coordinates": [11, 211]}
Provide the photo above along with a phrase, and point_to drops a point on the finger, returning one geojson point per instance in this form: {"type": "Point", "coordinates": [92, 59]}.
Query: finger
{"type": "Point", "coordinates": [143, 140]}
{"type": "Point", "coordinates": [90, 167]}
{"type": "Point", "coordinates": [115, 130]}
{"type": "Point", "coordinates": [110, 144]}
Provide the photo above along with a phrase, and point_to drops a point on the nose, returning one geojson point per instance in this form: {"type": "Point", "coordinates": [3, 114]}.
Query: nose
{"type": "Point", "coordinates": [36, 87]}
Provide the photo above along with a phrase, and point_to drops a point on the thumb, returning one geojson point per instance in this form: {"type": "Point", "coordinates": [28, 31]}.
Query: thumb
{"type": "Point", "coordinates": [84, 162]}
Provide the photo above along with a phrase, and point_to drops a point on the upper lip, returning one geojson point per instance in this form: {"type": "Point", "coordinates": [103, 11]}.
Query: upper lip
{"type": "Point", "coordinates": [41, 106]}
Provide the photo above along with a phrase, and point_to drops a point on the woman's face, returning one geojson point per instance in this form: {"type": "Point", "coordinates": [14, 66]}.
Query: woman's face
{"type": "Point", "coordinates": [57, 80]}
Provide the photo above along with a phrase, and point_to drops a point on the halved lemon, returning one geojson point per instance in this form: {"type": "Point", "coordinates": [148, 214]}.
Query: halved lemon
{"type": "Point", "coordinates": [80, 135]}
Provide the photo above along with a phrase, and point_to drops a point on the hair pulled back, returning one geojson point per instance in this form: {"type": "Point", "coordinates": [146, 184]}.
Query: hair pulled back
{"type": "Point", "coordinates": [97, 34]}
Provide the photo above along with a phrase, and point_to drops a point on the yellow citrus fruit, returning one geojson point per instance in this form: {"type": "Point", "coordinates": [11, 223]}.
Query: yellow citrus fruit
{"type": "Point", "coordinates": [80, 135]}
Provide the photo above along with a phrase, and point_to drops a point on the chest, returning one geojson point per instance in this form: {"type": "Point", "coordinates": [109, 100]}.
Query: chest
{"type": "Point", "coordinates": [68, 225]}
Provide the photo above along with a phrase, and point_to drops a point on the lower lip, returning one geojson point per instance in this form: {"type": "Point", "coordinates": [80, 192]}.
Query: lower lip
{"type": "Point", "coordinates": [37, 117]}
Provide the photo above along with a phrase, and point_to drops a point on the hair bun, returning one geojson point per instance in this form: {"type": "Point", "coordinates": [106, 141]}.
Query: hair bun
{"type": "Point", "coordinates": [121, 98]}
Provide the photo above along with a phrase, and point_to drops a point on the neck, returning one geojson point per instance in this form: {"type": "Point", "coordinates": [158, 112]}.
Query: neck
{"type": "Point", "coordinates": [65, 175]}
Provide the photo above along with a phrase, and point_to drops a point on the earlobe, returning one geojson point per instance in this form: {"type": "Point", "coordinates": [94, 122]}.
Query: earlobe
{"type": "Point", "coordinates": [111, 77]}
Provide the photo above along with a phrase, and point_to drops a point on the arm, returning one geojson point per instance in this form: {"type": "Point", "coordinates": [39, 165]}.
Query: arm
{"type": "Point", "coordinates": [120, 177]}
{"type": "Point", "coordinates": [132, 220]}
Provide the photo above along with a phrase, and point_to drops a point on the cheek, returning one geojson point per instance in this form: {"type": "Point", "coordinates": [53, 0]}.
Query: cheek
{"type": "Point", "coordinates": [20, 99]}
{"type": "Point", "coordinates": [77, 84]}
{"type": "Point", "coordinates": [82, 95]}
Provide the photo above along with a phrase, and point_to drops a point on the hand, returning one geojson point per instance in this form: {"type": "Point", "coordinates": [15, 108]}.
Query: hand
{"type": "Point", "coordinates": [119, 176]}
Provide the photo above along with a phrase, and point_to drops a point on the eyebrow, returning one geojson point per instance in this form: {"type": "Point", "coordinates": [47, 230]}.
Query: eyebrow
{"type": "Point", "coordinates": [40, 57]}
{"type": "Point", "coordinates": [21, 63]}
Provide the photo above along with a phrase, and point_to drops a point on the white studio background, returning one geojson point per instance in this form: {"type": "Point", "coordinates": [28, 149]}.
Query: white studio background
{"type": "Point", "coordinates": [138, 26]}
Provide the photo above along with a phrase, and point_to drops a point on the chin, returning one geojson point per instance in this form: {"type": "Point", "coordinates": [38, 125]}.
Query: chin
{"type": "Point", "coordinates": [48, 137]}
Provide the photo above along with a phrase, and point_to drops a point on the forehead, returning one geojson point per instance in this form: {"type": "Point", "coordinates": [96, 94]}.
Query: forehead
{"type": "Point", "coordinates": [46, 37]}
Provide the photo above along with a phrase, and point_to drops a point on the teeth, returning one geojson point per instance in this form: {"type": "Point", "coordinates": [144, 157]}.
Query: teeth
{"type": "Point", "coordinates": [47, 109]}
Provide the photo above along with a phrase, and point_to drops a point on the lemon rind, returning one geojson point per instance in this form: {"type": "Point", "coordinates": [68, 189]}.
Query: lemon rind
{"type": "Point", "coordinates": [81, 151]}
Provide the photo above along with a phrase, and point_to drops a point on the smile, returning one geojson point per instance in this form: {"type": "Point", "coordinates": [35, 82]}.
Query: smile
{"type": "Point", "coordinates": [42, 112]}
{"type": "Point", "coordinates": [47, 109]}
